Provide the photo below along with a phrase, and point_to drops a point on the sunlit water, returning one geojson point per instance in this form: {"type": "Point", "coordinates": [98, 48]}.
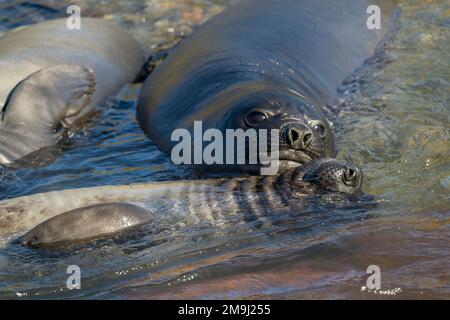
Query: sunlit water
{"type": "Point", "coordinates": [392, 117]}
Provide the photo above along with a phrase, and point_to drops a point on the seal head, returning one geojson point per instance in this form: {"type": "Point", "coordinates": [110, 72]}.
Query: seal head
{"type": "Point", "coordinates": [323, 176]}
{"type": "Point", "coordinates": [304, 132]}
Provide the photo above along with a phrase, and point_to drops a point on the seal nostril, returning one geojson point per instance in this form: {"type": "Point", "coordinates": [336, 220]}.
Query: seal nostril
{"type": "Point", "coordinates": [351, 173]}
{"type": "Point", "coordinates": [297, 139]}
{"type": "Point", "coordinates": [307, 139]}
{"type": "Point", "coordinates": [350, 177]}
{"type": "Point", "coordinates": [294, 136]}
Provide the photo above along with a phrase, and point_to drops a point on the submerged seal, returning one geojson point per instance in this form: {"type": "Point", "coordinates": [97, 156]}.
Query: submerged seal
{"type": "Point", "coordinates": [52, 77]}
{"type": "Point", "coordinates": [263, 64]}
{"type": "Point", "coordinates": [257, 195]}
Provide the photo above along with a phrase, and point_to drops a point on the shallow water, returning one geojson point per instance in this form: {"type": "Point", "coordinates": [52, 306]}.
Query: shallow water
{"type": "Point", "coordinates": [392, 117]}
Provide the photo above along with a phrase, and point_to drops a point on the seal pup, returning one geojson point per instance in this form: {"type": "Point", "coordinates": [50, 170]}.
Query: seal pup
{"type": "Point", "coordinates": [217, 202]}
{"type": "Point", "coordinates": [52, 78]}
{"type": "Point", "coordinates": [263, 64]}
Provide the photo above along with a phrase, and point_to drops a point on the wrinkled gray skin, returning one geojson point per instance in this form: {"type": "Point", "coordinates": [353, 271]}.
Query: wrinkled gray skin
{"type": "Point", "coordinates": [51, 78]}
{"type": "Point", "coordinates": [87, 223]}
{"type": "Point", "coordinates": [263, 64]}
{"type": "Point", "coordinates": [322, 176]}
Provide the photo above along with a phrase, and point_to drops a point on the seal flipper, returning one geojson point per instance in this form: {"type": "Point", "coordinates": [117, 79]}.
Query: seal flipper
{"type": "Point", "coordinates": [41, 105]}
{"type": "Point", "coordinates": [87, 223]}
{"type": "Point", "coordinates": [48, 97]}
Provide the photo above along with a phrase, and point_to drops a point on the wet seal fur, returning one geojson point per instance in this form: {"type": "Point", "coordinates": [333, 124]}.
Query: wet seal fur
{"type": "Point", "coordinates": [323, 176]}
{"type": "Point", "coordinates": [51, 79]}
{"type": "Point", "coordinates": [263, 64]}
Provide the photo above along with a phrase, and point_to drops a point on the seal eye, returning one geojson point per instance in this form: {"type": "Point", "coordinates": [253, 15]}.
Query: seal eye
{"type": "Point", "coordinates": [320, 129]}
{"type": "Point", "coordinates": [349, 177]}
{"type": "Point", "coordinates": [59, 127]}
{"type": "Point", "coordinates": [254, 118]}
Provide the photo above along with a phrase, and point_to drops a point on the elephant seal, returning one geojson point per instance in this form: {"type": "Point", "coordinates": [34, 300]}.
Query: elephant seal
{"type": "Point", "coordinates": [52, 77]}
{"type": "Point", "coordinates": [263, 64]}
{"type": "Point", "coordinates": [217, 202]}
{"type": "Point", "coordinates": [87, 223]}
